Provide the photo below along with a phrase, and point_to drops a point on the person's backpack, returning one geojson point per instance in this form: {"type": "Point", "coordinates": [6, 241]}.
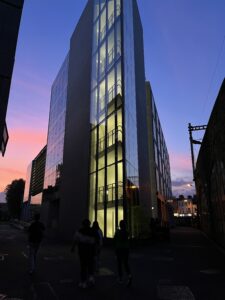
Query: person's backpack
{"type": "Point", "coordinates": [36, 231]}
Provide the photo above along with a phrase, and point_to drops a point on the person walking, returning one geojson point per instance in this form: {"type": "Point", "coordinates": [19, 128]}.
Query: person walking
{"type": "Point", "coordinates": [35, 236]}
{"type": "Point", "coordinates": [98, 243]}
{"type": "Point", "coordinates": [121, 240]}
{"type": "Point", "coordinates": [84, 239]}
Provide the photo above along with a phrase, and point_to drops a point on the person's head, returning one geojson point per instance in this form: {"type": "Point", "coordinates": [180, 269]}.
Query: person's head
{"type": "Point", "coordinates": [86, 223]}
{"type": "Point", "coordinates": [122, 225]}
{"type": "Point", "coordinates": [95, 225]}
{"type": "Point", "coordinates": [37, 217]}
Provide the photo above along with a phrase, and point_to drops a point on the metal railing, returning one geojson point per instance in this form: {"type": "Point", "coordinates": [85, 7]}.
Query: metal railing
{"type": "Point", "coordinates": [110, 22]}
{"type": "Point", "coordinates": [112, 92]}
{"type": "Point", "coordinates": [108, 193]}
{"type": "Point", "coordinates": [112, 57]}
{"type": "Point", "coordinates": [111, 137]}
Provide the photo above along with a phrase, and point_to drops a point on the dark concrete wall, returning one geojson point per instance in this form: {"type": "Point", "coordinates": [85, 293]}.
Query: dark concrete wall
{"type": "Point", "coordinates": [75, 173]}
{"type": "Point", "coordinates": [143, 157]}
{"type": "Point", "coordinates": [210, 173]}
{"type": "Point", "coordinates": [10, 14]}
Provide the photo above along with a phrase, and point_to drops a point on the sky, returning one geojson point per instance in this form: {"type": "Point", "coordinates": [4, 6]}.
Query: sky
{"type": "Point", "coordinates": [184, 43]}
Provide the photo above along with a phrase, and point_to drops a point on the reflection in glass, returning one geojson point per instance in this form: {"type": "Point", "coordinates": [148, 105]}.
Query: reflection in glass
{"type": "Point", "coordinates": [56, 130]}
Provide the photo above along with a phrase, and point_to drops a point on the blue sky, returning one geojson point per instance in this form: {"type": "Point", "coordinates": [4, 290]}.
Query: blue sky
{"type": "Point", "coordinates": [184, 61]}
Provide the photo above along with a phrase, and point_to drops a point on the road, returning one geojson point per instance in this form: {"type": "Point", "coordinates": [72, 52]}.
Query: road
{"type": "Point", "coordinates": [189, 267]}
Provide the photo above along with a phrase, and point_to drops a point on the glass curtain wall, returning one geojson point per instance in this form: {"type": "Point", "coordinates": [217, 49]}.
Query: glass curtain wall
{"type": "Point", "coordinates": [162, 163]}
{"type": "Point", "coordinates": [56, 127]}
{"type": "Point", "coordinates": [106, 163]}
{"type": "Point", "coordinates": [131, 188]}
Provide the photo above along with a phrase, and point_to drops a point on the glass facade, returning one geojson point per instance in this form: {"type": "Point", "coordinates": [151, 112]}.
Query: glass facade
{"type": "Point", "coordinates": [130, 123]}
{"type": "Point", "coordinates": [56, 127]}
{"type": "Point", "coordinates": [114, 155]}
{"type": "Point", "coordinates": [162, 164]}
{"type": "Point", "coordinates": [106, 164]}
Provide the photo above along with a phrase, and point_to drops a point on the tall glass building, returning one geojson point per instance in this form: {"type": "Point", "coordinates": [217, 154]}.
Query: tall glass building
{"type": "Point", "coordinates": [56, 127]}
{"type": "Point", "coordinates": [159, 163]}
{"type": "Point", "coordinates": [104, 169]}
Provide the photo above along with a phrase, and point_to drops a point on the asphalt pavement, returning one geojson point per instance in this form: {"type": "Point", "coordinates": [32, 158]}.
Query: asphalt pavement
{"type": "Point", "coordinates": [188, 267]}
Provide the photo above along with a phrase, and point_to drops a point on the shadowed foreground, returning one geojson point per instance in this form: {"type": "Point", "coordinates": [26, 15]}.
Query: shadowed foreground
{"type": "Point", "coordinates": [189, 267]}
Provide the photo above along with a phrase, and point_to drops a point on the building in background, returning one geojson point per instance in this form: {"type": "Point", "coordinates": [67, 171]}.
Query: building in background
{"type": "Point", "coordinates": [34, 185]}
{"type": "Point", "coordinates": [10, 14]}
{"type": "Point", "coordinates": [55, 148]}
{"type": "Point", "coordinates": [4, 213]}
{"type": "Point", "coordinates": [98, 161]}
{"type": "Point", "coordinates": [184, 210]}
{"type": "Point", "coordinates": [210, 173]}
{"type": "Point", "coordinates": [159, 164]}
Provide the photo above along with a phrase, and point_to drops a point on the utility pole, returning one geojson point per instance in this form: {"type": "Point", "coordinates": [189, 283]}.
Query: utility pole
{"type": "Point", "coordinates": [192, 142]}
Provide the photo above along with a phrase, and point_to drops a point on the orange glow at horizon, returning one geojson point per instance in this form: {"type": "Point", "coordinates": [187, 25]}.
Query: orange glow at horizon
{"type": "Point", "coordinates": [24, 144]}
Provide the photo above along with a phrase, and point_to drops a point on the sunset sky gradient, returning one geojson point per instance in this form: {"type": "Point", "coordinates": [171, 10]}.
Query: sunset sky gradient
{"type": "Point", "coordinates": [184, 59]}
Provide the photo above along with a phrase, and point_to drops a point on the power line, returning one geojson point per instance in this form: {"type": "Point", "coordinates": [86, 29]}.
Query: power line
{"type": "Point", "coordinates": [213, 75]}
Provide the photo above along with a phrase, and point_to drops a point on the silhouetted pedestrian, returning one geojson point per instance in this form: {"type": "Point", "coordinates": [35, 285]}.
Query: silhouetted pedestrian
{"type": "Point", "coordinates": [121, 240]}
{"type": "Point", "coordinates": [35, 236]}
{"type": "Point", "coordinates": [85, 240]}
{"type": "Point", "coordinates": [98, 243]}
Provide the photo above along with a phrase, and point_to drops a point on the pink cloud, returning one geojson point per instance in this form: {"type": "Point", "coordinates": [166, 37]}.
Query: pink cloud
{"type": "Point", "coordinates": [181, 173]}
{"type": "Point", "coordinates": [27, 136]}
{"type": "Point", "coordinates": [24, 144]}
{"type": "Point", "coordinates": [180, 162]}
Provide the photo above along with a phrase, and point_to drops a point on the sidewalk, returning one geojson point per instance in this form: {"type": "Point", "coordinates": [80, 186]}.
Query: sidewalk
{"type": "Point", "coordinates": [189, 267]}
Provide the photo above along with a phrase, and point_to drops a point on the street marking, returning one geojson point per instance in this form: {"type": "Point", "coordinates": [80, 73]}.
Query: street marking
{"type": "Point", "coordinates": [49, 288]}
{"type": "Point", "coordinates": [52, 290]}
{"type": "Point", "coordinates": [67, 280]}
{"type": "Point", "coordinates": [105, 272]}
{"type": "Point", "coordinates": [174, 292]}
{"type": "Point", "coordinates": [24, 254]}
{"type": "Point", "coordinates": [2, 296]}
{"type": "Point", "coordinates": [211, 271]}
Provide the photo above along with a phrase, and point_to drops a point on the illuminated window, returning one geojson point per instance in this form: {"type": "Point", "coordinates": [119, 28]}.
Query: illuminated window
{"type": "Point", "coordinates": [102, 60]}
{"type": "Point", "coordinates": [111, 86]}
{"type": "Point", "coordinates": [93, 150]}
{"type": "Point", "coordinates": [111, 48]}
{"type": "Point", "coordinates": [103, 25]}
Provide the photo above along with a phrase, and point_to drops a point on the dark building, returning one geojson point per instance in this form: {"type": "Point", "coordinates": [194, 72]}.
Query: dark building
{"type": "Point", "coordinates": [34, 184]}
{"type": "Point", "coordinates": [10, 14]}
{"type": "Point", "coordinates": [97, 149]}
{"type": "Point", "coordinates": [210, 173]}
